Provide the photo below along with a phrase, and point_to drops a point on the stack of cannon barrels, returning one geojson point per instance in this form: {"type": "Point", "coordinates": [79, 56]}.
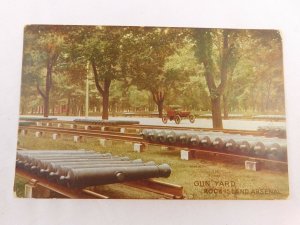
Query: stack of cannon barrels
{"type": "Point", "coordinates": [256, 146]}
{"type": "Point", "coordinates": [273, 131]}
{"type": "Point", "coordinates": [107, 122]}
{"type": "Point", "coordinates": [82, 168]}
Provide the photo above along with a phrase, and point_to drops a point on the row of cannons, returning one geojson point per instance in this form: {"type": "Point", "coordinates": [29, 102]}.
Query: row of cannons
{"type": "Point", "coordinates": [273, 131]}
{"type": "Point", "coordinates": [254, 146]}
{"type": "Point", "coordinates": [82, 168]}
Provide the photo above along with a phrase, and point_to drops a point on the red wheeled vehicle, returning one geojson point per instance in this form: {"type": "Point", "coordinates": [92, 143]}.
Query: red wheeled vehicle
{"type": "Point", "coordinates": [174, 112]}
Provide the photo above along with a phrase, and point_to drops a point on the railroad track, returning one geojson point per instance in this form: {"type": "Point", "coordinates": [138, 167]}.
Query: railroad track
{"type": "Point", "coordinates": [138, 139]}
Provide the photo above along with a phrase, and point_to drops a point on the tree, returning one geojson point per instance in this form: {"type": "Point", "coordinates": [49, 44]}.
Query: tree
{"type": "Point", "coordinates": [256, 84]}
{"type": "Point", "coordinates": [42, 48]}
{"type": "Point", "coordinates": [214, 49]}
{"type": "Point", "coordinates": [146, 51]}
{"type": "Point", "coordinates": [101, 48]}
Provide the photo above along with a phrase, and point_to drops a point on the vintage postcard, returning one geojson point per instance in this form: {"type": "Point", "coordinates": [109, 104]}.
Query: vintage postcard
{"type": "Point", "coordinates": [120, 112]}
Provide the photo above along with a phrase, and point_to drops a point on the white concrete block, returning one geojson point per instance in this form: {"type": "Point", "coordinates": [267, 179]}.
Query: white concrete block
{"type": "Point", "coordinates": [251, 165]}
{"type": "Point", "coordinates": [87, 127]}
{"type": "Point", "coordinates": [73, 126]}
{"type": "Point", "coordinates": [138, 147]}
{"type": "Point", "coordinates": [185, 155]}
{"type": "Point", "coordinates": [33, 190]}
{"type": "Point", "coordinates": [102, 129]}
{"type": "Point", "coordinates": [55, 136]}
{"type": "Point", "coordinates": [23, 132]}
{"type": "Point", "coordinates": [28, 190]}
{"type": "Point", "coordinates": [38, 134]}
{"type": "Point", "coordinates": [122, 130]}
{"type": "Point", "coordinates": [77, 138]}
{"type": "Point", "coordinates": [39, 123]}
{"type": "Point", "coordinates": [105, 142]}
{"type": "Point", "coordinates": [59, 125]}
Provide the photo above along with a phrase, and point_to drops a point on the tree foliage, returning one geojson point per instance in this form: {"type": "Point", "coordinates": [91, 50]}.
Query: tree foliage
{"type": "Point", "coordinates": [144, 68]}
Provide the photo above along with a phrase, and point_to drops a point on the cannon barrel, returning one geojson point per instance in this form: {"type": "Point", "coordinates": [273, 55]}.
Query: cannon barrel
{"type": "Point", "coordinates": [196, 137]}
{"type": "Point", "coordinates": [50, 166]}
{"type": "Point", "coordinates": [231, 142]}
{"type": "Point", "coordinates": [28, 161]}
{"type": "Point", "coordinates": [184, 138]}
{"type": "Point", "coordinates": [220, 142]}
{"type": "Point", "coordinates": [145, 133]}
{"type": "Point", "coordinates": [273, 131]}
{"type": "Point", "coordinates": [37, 162]}
{"type": "Point", "coordinates": [277, 151]}
{"type": "Point", "coordinates": [270, 148]}
{"type": "Point", "coordinates": [45, 166]}
{"type": "Point", "coordinates": [171, 136]}
{"type": "Point", "coordinates": [79, 178]}
{"type": "Point", "coordinates": [162, 136]}
{"type": "Point", "coordinates": [152, 135]}
{"type": "Point", "coordinates": [63, 170]}
{"type": "Point", "coordinates": [24, 156]}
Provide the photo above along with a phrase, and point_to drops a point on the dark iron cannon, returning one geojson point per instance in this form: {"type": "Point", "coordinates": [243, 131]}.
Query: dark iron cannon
{"type": "Point", "coordinates": [85, 177]}
{"type": "Point", "coordinates": [62, 170]}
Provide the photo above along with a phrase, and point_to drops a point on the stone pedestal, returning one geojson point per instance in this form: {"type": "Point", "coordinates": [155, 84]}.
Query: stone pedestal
{"type": "Point", "coordinates": [55, 136]}
{"type": "Point", "coordinates": [33, 190]}
{"type": "Point", "coordinates": [251, 165]}
{"type": "Point", "coordinates": [185, 154]}
{"type": "Point", "coordinates": [73, 126]}
{"type": "Point", "coordinates": [23, 132]}
{"type": "Point", "coordinates": [87, 127]}
{"type": "Point", "coordinates": [38, 134]}
{"type": "Point", "coordinates": [77, 138]}
{"type": "Point", "coordinates": [138, 147]}
{"type": "Point", "coordinates": [105, 143]}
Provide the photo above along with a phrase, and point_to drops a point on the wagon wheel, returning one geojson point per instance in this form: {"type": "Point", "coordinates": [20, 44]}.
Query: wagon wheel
{"type": "Point", "coordinates": [164, 119]}
{"type": "Point", "coordinates": [177, 119]}
{"type": "Point", "coordinates": [192, 118]}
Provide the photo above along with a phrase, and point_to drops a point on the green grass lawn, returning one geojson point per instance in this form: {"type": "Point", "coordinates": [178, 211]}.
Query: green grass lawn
{"type": "Point", "coordinates": [206, 178]}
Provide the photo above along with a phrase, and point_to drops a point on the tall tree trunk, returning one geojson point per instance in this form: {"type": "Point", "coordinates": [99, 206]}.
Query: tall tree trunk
{"type": "Point", "coordinates": [105, 105]}
{"type": "Point", "coordinates": [216, 113]}
{"type": "Point", "coordinates": [45, 95]}
{"type": "Point", "coordinates": [160, 105]}
{"type": "Point", "coordinates": [103, 91]}
{"type": "Point", "coordinates": [46, 106]}
{"type": "Point", "coordinates": [159, 97]}
{"type": "Point", "coordinates": [53, 109]}
{"type": "Point", "coordinates": [268, 94]}
{"type": "Point", "coordinates": [225, 106]}
{"type": "Point", "coordinates": [68, 106]}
